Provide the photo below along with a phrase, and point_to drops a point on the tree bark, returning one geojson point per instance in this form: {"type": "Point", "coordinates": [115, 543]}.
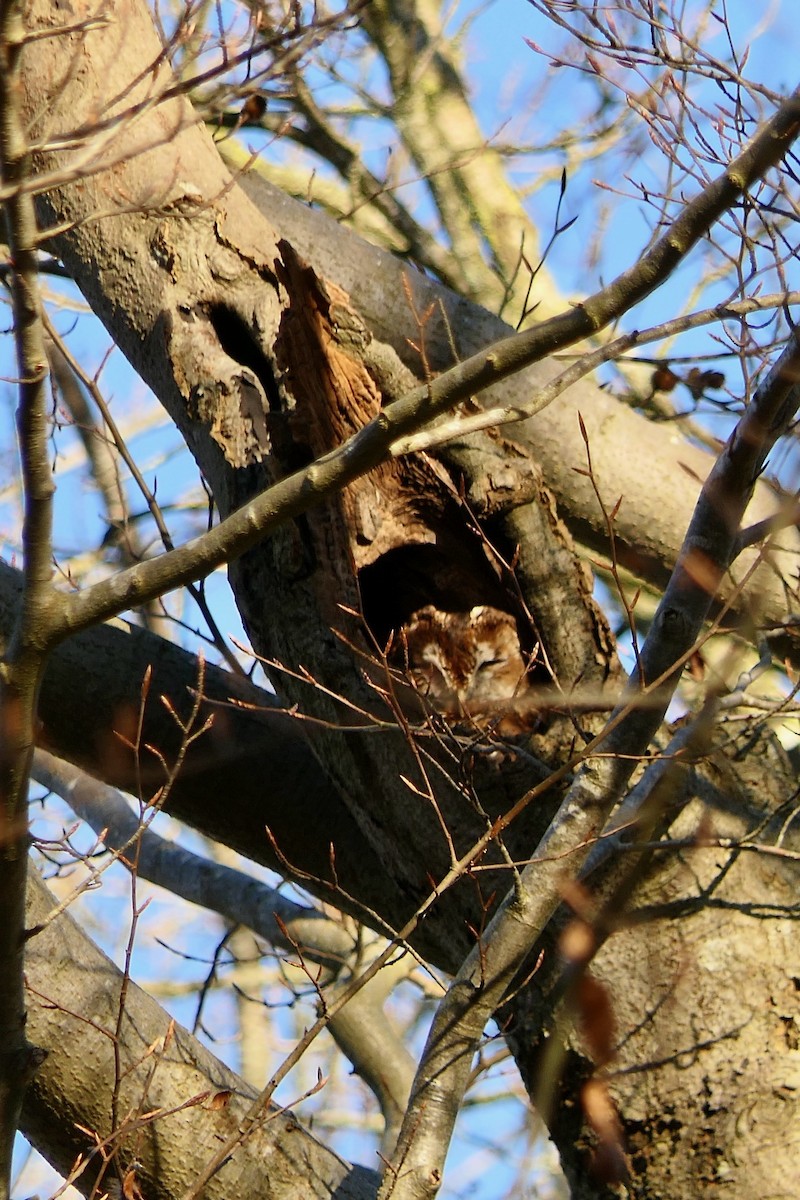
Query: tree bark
{"type": "Point", "coordinates": [223, 322]}
{"type": "Point", "coordinates": [209, 307]}
{"type": "Point", "coordinates": [656, 472]}
{"type": "Point", "coordinates": [701, 977]}
{"type": "Point", "coordinates": [176, 1103]}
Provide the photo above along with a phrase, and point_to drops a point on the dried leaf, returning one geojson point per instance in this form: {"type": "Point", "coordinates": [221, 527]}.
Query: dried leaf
{"type": "Point", "coordinates": [596, 1018]}
{"type": "Point", "coordinates": [663, 378]}
{"type": "Point", "coordinates": [578, 942]}
{"type": "Point", "coordinates": [610, 1161]}
{"type": "Point", "coordinates": [130, 1188]}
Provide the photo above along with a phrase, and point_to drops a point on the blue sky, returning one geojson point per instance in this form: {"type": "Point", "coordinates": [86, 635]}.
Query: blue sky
{"type": "Point", "coordinates": [505, 74]}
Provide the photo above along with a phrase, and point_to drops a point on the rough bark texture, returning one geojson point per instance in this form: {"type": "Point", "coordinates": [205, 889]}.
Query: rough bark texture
{"type": "Point", "coordinates": [655, 471]}
{"type": "Point", "coordinates": [702, 977]}
{"type": "Point", "coordinates": [194, 1102]}
{"type": "Point", "coordinates": [229, 786]}
{"type": "Point", "coordinates": [393, 542]}
{"type": "Point", "coordinates": [224, 328]}
{"type": "Point", "coordinates": [263, 364]}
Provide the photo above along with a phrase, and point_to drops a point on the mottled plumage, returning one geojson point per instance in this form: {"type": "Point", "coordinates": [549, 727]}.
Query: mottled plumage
{"type": "Point", "coordinates": [465, 661]}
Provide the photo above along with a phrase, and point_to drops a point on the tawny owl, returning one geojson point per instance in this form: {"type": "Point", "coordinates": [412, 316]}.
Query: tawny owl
{"type": "Point", "coordinates": [465, 661]}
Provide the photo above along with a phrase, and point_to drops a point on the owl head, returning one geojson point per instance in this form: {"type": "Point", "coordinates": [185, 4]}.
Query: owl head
{"type": "Point", "coordinates": [464, 660]}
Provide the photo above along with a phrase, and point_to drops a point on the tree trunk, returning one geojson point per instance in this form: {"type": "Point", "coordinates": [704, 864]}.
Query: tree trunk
{"type": "Point", "coordinates": [264, 364]}
{"type": "Point", "coordinates": [176, 1104]}
{"type": "Point", "coordinates": [702, 976]}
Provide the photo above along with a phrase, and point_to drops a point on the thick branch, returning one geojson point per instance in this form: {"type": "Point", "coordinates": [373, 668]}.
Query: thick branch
{"type": "Point", "coordinates": [237, 758]}
{"type": "Point", "coordinates": [652, 520]}
{"type": "Point", "coordinates": [370, 446]}
{"type": "Point", "coordinates": [361, 1029]}
{"type": "Point", "coordinates": [180, 1101]}
{"type": "Point", "coordinates": [479, 986]}
{"type": "Point", "coordinates": [24, 654]}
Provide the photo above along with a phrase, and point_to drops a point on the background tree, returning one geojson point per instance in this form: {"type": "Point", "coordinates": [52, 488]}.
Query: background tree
{"type": "Point", "coordinates": [300, 367]}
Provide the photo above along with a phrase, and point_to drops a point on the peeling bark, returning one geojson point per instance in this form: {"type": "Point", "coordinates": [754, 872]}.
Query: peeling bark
{"type": "Point", "coordinates": [264, 363]}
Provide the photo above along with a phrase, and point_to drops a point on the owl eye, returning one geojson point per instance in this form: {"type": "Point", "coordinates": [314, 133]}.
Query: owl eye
{"type": "Point", "coordinates": [490, 662]}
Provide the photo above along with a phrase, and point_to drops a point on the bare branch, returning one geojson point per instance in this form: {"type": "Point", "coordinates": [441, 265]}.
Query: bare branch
{"type": "Point", "coordinates": [368, 447]}
{"type": "Point", "coordinates": [361, 1028]}
{"type": "Point", "coordinates": [488, 971]}
{"type": "Point", "coordinates": [192, 1097]}
{"type": "Point", "coordinates": [22, 664]}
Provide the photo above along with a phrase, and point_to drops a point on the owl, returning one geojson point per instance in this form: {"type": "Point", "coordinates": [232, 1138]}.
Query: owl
{"type": "Point", "coordinates": [465, 662]}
